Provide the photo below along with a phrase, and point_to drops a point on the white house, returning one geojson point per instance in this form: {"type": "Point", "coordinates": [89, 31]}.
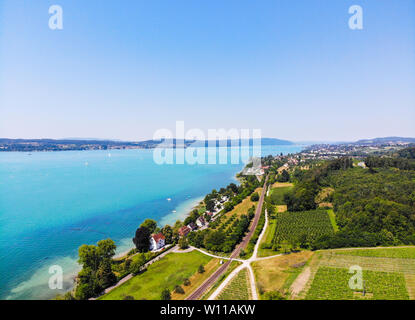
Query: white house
{"type": "Point", "coordinates": [157, 241]}
{"type": "Point", "coordinates": [200, 222]}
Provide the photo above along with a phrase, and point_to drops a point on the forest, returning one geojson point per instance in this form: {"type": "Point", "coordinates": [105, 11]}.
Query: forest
{"type": "Point", "coordinates": [373, 206]}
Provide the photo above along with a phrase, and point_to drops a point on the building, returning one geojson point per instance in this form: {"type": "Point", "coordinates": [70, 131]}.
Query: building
{"type": "Point", "coordinates": [192, 226]}
{"type": "Point", "coordinates": [200, 222]}
{"type": "Point", "coordinates": [183, 231]}
{"type": "Point", "coordinates": [157, 241]}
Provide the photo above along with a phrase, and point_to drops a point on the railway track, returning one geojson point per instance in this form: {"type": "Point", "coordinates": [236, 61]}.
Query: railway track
{"type": "Point", "coordinates": [197, 294]}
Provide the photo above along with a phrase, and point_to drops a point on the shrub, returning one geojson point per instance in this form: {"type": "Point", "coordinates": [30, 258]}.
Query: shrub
{"type": "Point", "coordinates": [186, 282]}
{"type": "Point", "coordinates": [165, 295]}
{"type": "Point", "coordinates": [201, 269]}
{"type": "Point", "coordinates": [274, 295]}
{"type": "Point", "coordinates": [255, 197]}
{"type": "Point", "coordinates": [183, 244]}
{"type": "Point", "coordinates": [178, 289]}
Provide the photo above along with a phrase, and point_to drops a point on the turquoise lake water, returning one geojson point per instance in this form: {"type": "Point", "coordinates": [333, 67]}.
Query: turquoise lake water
{"type": "Point", "coordinates": [53, 202]}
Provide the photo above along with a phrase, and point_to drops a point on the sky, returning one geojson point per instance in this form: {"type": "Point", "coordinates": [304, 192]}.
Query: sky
{"type": "Point", "coordinates": [125, 69]}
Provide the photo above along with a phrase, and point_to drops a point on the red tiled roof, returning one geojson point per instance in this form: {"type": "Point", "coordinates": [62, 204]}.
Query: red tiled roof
{"type": "Point", "coordinates": [184, 230]}
{"type": "Point", "coordinates": [157, 237]}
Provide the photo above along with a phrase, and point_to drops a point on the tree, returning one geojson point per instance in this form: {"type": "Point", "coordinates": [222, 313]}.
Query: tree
{"type": "Point", "coordinates": [167, 231]}
{"type": "Point", "coordinates": [142, 239]}
{"type": "Point", "coordinates": [285, 246]}
{"type": "Point", "coordinates": [228, 206]}
{"type": "Point", "coordinates": [84, 291]}
{"type": "Point", "coordinates": [284, 176]}
{"type": "Point", "coordinates": [165, 294]}
{"type": "Point", "coordinates": [105, 275]}
{"type": "Point", "coordinates": [150, 224]}
{"type": "Point", "coordinates": [255, 197]}
{"type": "Point", "coordinates": [214, 240]}
{"type": "Point", "coordinates": [186, 282]}
{"type": "Point", "coordinates": [137, 264]}
{"type": "Point", "coordinates": [106, 249]}
{"type": "Point", "coordinates": [210, 205]}
{"type": "Point", "coordinates": [96, 273]}
{"type": "Point", "coordinates": [178, 289]}
{"type": "Point", "coordinates": [183, 243]}
{"type": "Point", "coordinates": [201, 269]}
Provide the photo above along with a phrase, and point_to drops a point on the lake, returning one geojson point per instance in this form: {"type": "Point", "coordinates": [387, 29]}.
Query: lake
{"type": "Point", "coordinates": [53, 202]}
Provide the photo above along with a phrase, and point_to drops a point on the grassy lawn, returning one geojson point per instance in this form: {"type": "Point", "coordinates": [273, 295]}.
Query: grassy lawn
{"type": "Point", "coordinates": [238, 288]}
{"type": "Point", "coordinates": [282, 185]}
{"type": "Point", "coordinates": [165, 273]}
{"type": "Point", "coordinates": [403, 253]}
{"type": "Point", "coordinates": [278, 273]}
{"type": "Point", "coordinates": [196, 280]}
{"type": "Point", "coordinates": [333, 284]}
{"type": "Point", "coordinates": [332, 217]}
{"type": "Point", "coordinates": [244, 206]}
{"type": "Point", "coordinates": [277, 195]}
{"type": "Point", "coordinates": [268, 239]}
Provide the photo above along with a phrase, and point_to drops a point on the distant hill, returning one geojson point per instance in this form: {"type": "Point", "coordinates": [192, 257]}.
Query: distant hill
{"type": "Point", "coordinates": [28, 145]}
{"type": "Point", "coordinates": [386, 140]}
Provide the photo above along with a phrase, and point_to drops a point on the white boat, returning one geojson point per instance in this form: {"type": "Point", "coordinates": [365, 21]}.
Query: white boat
{"type": "Point", "coordinates": [168, 199]}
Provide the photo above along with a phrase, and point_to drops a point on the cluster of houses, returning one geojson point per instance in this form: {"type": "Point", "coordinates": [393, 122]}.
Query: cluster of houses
{"type": "Point", "coordinates": [158, 241]}
{"type": "Point", "coordinates": [192, 226]}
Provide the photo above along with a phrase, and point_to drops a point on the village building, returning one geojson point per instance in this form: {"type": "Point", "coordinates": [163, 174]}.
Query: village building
{"type": "Point", "coordinates": [157, 241]}
{"type": "Point", "coordinates": [192, 226]}
{"type": "Point", "coordinates": [183, 231]}
{"type": "Point", "coordinates": [201, 222]}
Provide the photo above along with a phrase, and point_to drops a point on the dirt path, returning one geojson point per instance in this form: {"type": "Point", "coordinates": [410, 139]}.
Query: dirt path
{"type": "Point", "coordinates": [300, 282]}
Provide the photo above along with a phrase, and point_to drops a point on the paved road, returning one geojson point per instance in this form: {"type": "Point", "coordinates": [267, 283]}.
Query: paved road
{"type": "Point", "coordinates": [197, 294]}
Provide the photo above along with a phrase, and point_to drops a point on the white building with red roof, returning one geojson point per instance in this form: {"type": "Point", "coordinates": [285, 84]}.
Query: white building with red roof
{"type": "Point", "coordinates": [157, 241]}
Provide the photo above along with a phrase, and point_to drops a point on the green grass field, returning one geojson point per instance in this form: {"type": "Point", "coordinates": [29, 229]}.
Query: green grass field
{"type": "Point", "coordinates": [333, 284]}
{"type": "Point", "coordinates": [238, 288]}
{"type": "Point", "coordinates": [332, 217]}
{"type": "Point", "coordinates": [403, 253]}
{"type": "Point", "coordinates": [277, 195]}
{"type": "Point", "coordinates": [165, 273]}
{"type": "Point", "coordinates": [268, 240]}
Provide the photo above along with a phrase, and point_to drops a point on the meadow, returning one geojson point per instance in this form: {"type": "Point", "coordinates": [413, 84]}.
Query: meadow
{"type": "Point", "coordinates": [165, 273]}
{"type": "Point", "coordinates": [277, 274]}
{"type": "Point", "coordinates": [404, 253]}
{"type": "Point", "coordinates": [277, 195]}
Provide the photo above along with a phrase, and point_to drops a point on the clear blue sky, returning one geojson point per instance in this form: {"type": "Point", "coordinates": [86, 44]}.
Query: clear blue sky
{"type": "Point", "coordinates": [123, 69]}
